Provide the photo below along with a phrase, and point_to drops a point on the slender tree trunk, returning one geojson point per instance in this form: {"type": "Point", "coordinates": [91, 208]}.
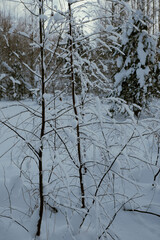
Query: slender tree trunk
{"type": "Point", "coordinates": [141, 5]}
{"type": "Point", "coordinates": [113, 13]}
{"type": "Point", "coordinates": [41, 33]}
{"type": "Point", "coordinates": [148, 13]}
{"type": "Point", "coordinates": [75, 110]}
{"type": "Point", "coordinates": [32, 57]}
{"type": "Point", "coordinates": [153, 17]}
{"type": "Point", "coordinates": [133, 4]}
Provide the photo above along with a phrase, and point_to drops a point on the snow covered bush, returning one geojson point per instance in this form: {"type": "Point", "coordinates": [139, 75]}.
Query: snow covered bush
{"type": "Point", "coordinates": [119, 161]}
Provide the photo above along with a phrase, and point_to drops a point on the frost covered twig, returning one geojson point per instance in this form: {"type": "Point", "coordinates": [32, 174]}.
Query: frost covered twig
{"type": "Point", "coordinates": [100, 182]}
{"type": "Point", "coordinates": [142, 211]}
{"type": "Point", "coordinates": [20, 224]}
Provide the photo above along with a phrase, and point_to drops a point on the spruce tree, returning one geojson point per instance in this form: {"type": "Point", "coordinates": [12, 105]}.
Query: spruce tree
{"type": "Point", "coordinates": [134, 80]}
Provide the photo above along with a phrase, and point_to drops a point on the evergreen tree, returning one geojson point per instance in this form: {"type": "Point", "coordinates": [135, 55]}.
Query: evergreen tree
{"type": "Point", "coordinates": [135, 78]}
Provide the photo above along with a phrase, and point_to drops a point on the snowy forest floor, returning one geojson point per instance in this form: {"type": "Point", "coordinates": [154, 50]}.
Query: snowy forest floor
{"type": "Point", "coordinates": [133, 145]}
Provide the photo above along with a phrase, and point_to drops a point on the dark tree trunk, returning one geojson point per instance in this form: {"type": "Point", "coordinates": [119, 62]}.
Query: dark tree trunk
{"type": "Point", "coordinates": [41, 33]}
{"type": "Point", "coordinates": [75, 110]}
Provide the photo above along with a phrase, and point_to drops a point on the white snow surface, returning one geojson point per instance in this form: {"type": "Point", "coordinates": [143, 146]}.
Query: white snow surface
{"type": "Point", "coordinates": [130, 188]}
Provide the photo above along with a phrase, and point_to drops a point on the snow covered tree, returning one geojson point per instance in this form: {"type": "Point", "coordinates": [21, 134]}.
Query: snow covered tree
{"type": "Point", "coordinates": [135, 76]}
{"type": "Point", "coordinates": [15, 49]}
{"type": "Point", "coordinates": [81, 57]}
{"type": "Point", "coordinates": [110, 16]}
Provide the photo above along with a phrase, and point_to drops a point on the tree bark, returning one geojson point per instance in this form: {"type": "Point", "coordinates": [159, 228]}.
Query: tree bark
{"type": "Point", "coordinates": [75, 111]}
{"type": "Point", "coordinates": [41, 198]}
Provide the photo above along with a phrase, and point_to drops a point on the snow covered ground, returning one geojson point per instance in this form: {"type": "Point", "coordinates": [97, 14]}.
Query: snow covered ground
{"type": "Point", "coordinates": [121, 159]}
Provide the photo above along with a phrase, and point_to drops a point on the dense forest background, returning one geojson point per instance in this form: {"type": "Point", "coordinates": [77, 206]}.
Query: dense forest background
{"type": "Point", "coordinates": [115, 42]}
